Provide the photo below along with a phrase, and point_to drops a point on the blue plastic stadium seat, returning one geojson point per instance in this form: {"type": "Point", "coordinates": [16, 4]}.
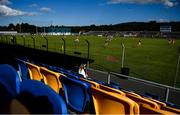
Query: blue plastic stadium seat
{"type": "Point", "coordinates": [24, 58]}
{"type": "Point", "coordinates": [98, 81]}
{"type": "Point", "coordinates": [113, 85]}
{"type": "Point", "coordinates": [76, 93]}
{"type": "Point", "coordinates": [40, 98]}
{"type": "Point", "coordinates": [69, 73]}
{"type": "Point", "coordinates": [146, 94]}
{"type": "Point", "coordinates": [23, 69]}
{"type": "Point", "coordinates": [40, 64]}
{"type": "Point", "coordinates": [75, 69]}
{"type": "Point", "coordinates": [66, 72]}
{"type": "Point", "coordinates": [172, 105]}
{"type": "Point", "coordinates": [9, 79]}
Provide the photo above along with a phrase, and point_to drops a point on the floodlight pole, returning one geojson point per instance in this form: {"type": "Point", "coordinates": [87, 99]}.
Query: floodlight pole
{"type": "Point", "coordinates": [20, 24]}
{"type": "Point", "coordinates": [33, 41]}
{"type": "Point", "coordinates": [177, 69]}
{"type": "Point", "coordinates": [123, 51]}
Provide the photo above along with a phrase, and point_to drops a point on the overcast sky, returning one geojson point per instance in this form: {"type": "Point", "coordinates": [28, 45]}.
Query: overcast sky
{"type": "Point", "coordinates": [87, 12]}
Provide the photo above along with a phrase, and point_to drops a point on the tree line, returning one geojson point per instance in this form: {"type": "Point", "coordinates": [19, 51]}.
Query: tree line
{"type": "Point", "coordinates": [130, 26]}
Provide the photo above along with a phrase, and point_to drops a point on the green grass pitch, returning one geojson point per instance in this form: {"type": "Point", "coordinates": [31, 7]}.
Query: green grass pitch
{"type": "Point", "coordinates": [154, 60]}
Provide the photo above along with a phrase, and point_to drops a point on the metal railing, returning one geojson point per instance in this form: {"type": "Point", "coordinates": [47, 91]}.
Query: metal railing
{"type": "Point", "coordinates": [131, 83]}
{"type": "Point", "coordinates": [145, 81]}
{"type": "Point", "coordinates": [34, 42]}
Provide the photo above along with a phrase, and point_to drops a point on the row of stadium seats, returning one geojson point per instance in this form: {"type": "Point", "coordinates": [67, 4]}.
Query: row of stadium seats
{"type": "Point", "coordinates": [77, 96]}
{"type": "Point", "coordinates": [146, 105]}
{"type": "Point", "coordinates": [27, 96]}
{"type": "Point", "coordinates": [88, 95]}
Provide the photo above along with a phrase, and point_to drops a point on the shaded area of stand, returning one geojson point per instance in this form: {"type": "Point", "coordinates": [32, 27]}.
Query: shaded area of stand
{"type": "Point", "coordinates": [8, 51]}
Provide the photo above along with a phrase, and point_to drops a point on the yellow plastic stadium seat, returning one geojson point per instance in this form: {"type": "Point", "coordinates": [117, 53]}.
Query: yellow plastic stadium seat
{"type": "Point", "coordinates": [94, 84]}
{"type": "Point", "coordinates": [163, 106]}
{"type": "Point", "coordinates": [141, 100]}
{"type": "Point", "coordinates": [103, 87]}
{"type": "Point", "coordinates": [145, 109]}
{"type": "Point", "coordinates": [111, 103]}
{"type": "Point", "coordinates": [52, 79]}
{"type": "Point", "coordinates": [34, 72]}
{"type": "Point", "coordinates": [148, 106]}
{"type": "Point", "coordinates": [170, 109]}
{"type": "Point", "coordinates": [112, 90]}
{"type": "Point", "coordinates": [130, 93]}
{"type": "Point", "coordinates": [160, 104]}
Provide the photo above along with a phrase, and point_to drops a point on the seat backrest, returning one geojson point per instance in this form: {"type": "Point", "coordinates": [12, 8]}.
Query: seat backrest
{"type": "Point", "coordinates": [110, 103]}
{"type": "Point", "coordinates": [97, 81]}
{"type": "Point", "coordinates": [63, 71]}
{"type": "Point", "coordinates": [112, 90]}
{"type": "Point", "coordinates": [163, 106]}
{"type": "Point", "coordinates": [23, 69]}
{"type": "Point", "coordinates": [52, 79]}
{"type": "Point", "coordinates": [76, 93]}
{"type": "Point", "coordinates": [160, 104]}
{"type": "Point", "coordinates": [170, 109]}
{"type": "Point", "coordinates": [103, 87]}
{"type": "Point", "coordinates": [130, 93]}
{"type": "Point", "coordinates": [34, 72]}
{"type": "Point", "coordinates": [141, 100]}
{"type": "Point", "coordinates": [150, 95]}
{"type": "Point", "coordinates": [113, 85]}
{"type": "Point", "coordinates": [93, 83]}
{"type": "Point", "coordinates": [146, 109]}
{"type": "Point", "coordinates": [9, 79]}
{"type": "Point", "coordinates": [40, 98]}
